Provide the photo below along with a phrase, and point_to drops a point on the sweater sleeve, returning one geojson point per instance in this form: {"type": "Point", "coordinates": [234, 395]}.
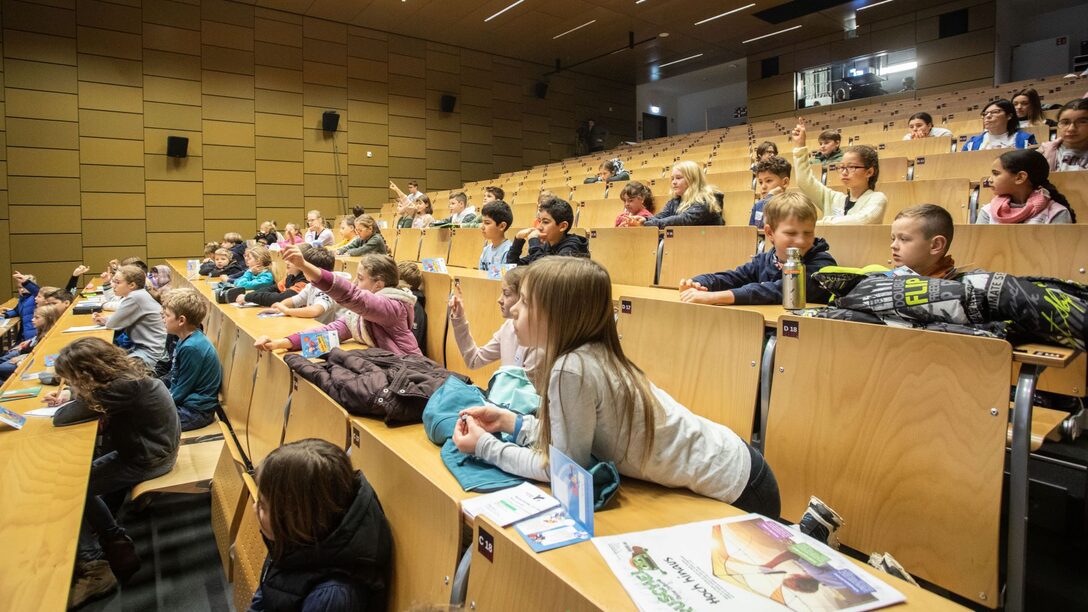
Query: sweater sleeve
{"type": "Point", "coordinates": [128, 312]}
{"type": "Point", "coordinates": [474, 356]}
{"type": "Point", "coordinates": [696, 214]}
{"type": "Point", "coordinates": [380, 310]}
{"type": "Point", "coordinates": [251, 281]}
{"type": "Point", "coordinates": [184, 380]}
{"type": "Point", "coordinates": [807, 183]}
{"type": "Point", "coordinates": [766, 292]}
{"type": "Point", "coordinates": [869, 210]}
{"type": "Point", "coordinates": [72, 284]}
{"type": "Point", "coordinates": [346, 249]}
{"type": "Point", "coordinates": [513, 256]}
{"type": "Point", "coordinates": [730, 279]}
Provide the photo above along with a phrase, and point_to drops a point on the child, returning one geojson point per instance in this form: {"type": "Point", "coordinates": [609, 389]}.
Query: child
{"type": "Point", "coordinates": [196, 374]}
{"type": "Point", "coordinates": [551, 238]}
{"type": "Point", "coordinates": [140, 421]}
{"type": "Point", "coordinates": [694, 201]}
{"type": "Point", "coordinates": [347, 232]}
{"type": "Point", "coordinates": [52, 296]}
{"type": "Point", "coordinates": [291, 236]}
{"type": "Point", "coordinates": [330, 546]}
{"type": "Point", "coordinates": [424, 212]}
{"type": "Point", "coordinates": [859, 170]}
{"type": "Point", "coordinates": [609, 171]}
{"type": "Point", "coordinates": [257, 275]}
{"type": "Point", "coordinates": [921, 126]}
{"type": "Point", "coordinates": [209, 251]}
{"type": "Point", "coordinates": [316, 233]}
{"type": "Point", "coordinates": [1069, 151]}
{"type": "Point", "coordinates": [829, 151]}
{"type": "Point", "coordinates": [1023, 192]}
{"type": "Point", "coordinates": [368, 239]}
{"type": "Point", "coordinates": [765, 150]}
{"type": "Point", "coordinates": [45, 317]}
{"type": "Point", "coordinates": [496, 219]}
{"type": "Point", "coordinates": [267, 234]}
{"type": "Point", "coordinates": [790, 222]}
{"type": "Point", "coordinates": [112, 301]}
{"type": "Point", "coordinates": [292, 283]}
{"type": "Point", "coordinates": [1002, 129]}
{"type": "Point", "coordinates": [773, 178]}
{"type": "Point", "coordinates": [222, 265]}
{"type": "Point", "coordinates": [1029, 109]}
{"type": "Point", "coordinates": [503, 346]}
{"type": "Point", "coordinates": [460, 212]}
{"type": "Point", "coordinates": [161, 277]}
{"type": "Point", "coordinates": [411, 279]}
{"type": "Point", "coordinates": [493, 194]}
{"type": "Point", "coordinates": [921, 237]}
{"type": "Point", "coordinates": [595, 405]}
{"type": "Point", "coordinates": [379, 314]}
{"type": "Point", "coordinates": [308, 302]}
{"type": "Point", "coordinates": [139, 317]}
{"type": "Point", "coordinates": [233, 242]}
{"type": "Point", "coordinates": [24, 308]}
{"type": "Point", "coordinates": [638, 201]}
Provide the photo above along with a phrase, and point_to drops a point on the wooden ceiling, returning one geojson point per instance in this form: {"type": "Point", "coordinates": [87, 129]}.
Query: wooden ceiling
{"type": "Point", "coordinates": [527, 30]}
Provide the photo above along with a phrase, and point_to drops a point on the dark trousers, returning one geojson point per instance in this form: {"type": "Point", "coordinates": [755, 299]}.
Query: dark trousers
{"type": "Point", "coordinates": [761, 494]}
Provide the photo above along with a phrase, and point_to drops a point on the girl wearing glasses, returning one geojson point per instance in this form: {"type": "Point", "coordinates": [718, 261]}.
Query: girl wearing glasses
{"type": "Point", "coordinates": [1069, 151]}
{"type": "Point", "coordinates": [859, 170]}
{"type": "Point", "coordinates": [1002, 129]}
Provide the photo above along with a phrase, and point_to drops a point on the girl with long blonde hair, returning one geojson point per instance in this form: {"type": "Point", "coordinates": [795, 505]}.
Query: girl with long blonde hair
{"type": "Point", "coordinates": [694, 201]}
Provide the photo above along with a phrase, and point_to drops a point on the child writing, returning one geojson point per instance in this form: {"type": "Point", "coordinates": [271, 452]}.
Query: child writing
{"type": "Point", "coordinates": [595, 405]}
{"type": "Point", "coordinates": [1022, 191]}
{"type": "Point", "coordinates": [496, 217]}
{"type": "Point", "coordinates": [316, 233]}
{"type": "Point", "coordinates": [196, 374]}
{"type": "Point", "coordinates": [859, 171]}
{"type": "Point", "coordinates": [638, 201]}
{"type": "Point", "coordinates": [693, 202]}
{"type": "Point", "coordinates": [790, 223]}
{"type": "Point", "coordinates": [368, 239]}
{"type": "Point", "coordinates": [45, 316]}
{"type": "Point", "coordinates": [921, 237]}
{"type": "Point", "coordinates": [772, 178]}
{"type": "Point", "coordinates": [222, 265]}
{"type": "Point", "coordinates": [139, 317]}
{"type": "Point", "coordinates": [256, 275]}
{"type": "Point", "coordinates": [503, 346]}
{"type": "Point", "coordinates": [24, 308]}
{"type": "Point", "coordinates": [329, 543]}
{"type": "Point", "coordinates": [291, 236]}
{"type": "Point", "coordinates": [379, 314]}
{"type": "Point", "coordinates": [552, 237]}
{"type": "Point", "coordinates": [308, 302]}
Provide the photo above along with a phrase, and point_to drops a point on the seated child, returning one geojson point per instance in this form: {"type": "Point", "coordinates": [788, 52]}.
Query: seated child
{"type": "Point", "coordinates": [196, 375]}
{"type": "Point", "coordinates": [24, 308]}
{"type": "Point", "coordinates": [52, 296]}
{"type": "Point", "coordinates": [161, 277]}
{"type": "Point", "coordinates": [859, 170]}
{"type": "Point", "coordinates": [921, 126]}
{"type": "Point", "coordinates": [45, 316]}
{"type": "Point", "coordinates": [316, 233]}
{"type": "Point", "coordinates": [139, 317]}
{"type": "Point", "coordinates": [411, 278]}
{"type": "Point", "coordinates": [267, 234]}
{"type": "Point", "coordinates": [596, 405]}
{"type": "Point", "coordinates": [291, 236]}
{"type": "Point", "coordinates": [330, 547]}
{"type": "Point", "coordinates": [921, 237]}
{"type": "Point", "coordinates": [346, 232]}
{"type": "Point", "coordinates": [694, 201]}
{"type": "Point", "coordinates": [638, 201]}
{"type": "Point", "coordinates": [611, 170]}
{"type": "Point", "coordinates": [289, 286]}
{"type": "Point", "coordinates": [307, 301]}
{"type": "Point", "coordinates": [765, 150]}
{"type": "Point", "coordinates": [460, 211]}
{"type": "Point", "coordinates": [829, 151]}
{"type": "Point", "coordinates": [790, 222]}
{"type": "Point", "coordinates": [496, 218]}
{"type": "Point", "coordinates": [209, 251]}
{"type": "Point", "coordinates": [424, 212]}
{"type": "Point", "coordinates": [222, 265]}
{"type": "Point", "coordinates": [1069, 151]}
{"type": "Point", "coordinates": [552, 237]}
{"type": "Point", "coordinates": [1023, 192]}
{"type": "Point", "coordinates": [233, 242]}
{"type": "Point", "coordinates": [503, 346]}
{"type": "Point", "coordinates": [493, 194]}
{"type": "Point", "coordinates": [368, 239]}
{"type": "Point", "coordinates": [112, 301]}
{"type": "Point", "coordinates": [379, 314]}
{"type": "Point", "coordinates": [773, 178]}
{"type": "Point", "coordinates": [257, 275]}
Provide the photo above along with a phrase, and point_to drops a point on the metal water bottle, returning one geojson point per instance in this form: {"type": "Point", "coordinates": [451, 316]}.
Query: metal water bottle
{"type": "Point", "coordinates": [793, 280]}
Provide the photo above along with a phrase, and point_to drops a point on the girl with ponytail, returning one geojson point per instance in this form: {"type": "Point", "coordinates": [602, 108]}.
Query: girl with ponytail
{"type": "Point", "coordinates": [1023, 192]}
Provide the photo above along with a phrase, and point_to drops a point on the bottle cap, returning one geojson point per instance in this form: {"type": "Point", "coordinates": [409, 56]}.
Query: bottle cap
{"type": "Point", "coordinates": [793, 252]}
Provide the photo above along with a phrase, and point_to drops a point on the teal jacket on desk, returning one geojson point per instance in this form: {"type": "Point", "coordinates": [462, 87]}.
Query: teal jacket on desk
{"type": "Point", "coordinates": [197, 374]}
{"type": "Point", "coordinates": [249, 280]}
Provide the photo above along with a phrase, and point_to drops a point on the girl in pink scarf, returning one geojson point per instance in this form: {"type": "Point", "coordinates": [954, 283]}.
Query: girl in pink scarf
{"type": "Point", "coordinates": [1023, 192]}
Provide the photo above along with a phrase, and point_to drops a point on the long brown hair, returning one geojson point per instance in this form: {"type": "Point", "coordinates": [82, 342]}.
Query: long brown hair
{"type": "Point", "coordinates": [91, 364]}
{"type": "Point", "coordinates": [549, 291]}
{"type": "Point", "coordinates": [306, 487]}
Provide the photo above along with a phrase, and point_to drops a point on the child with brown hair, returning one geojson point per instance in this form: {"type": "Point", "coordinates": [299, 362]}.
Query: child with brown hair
{"type": "Point", "coordinates": [638, 201]}
{"type": "Point", "coordinates": [196, 374]}
{"type": "Point", "coordinates": [368, 239]}
{"type": "Point", "coordinates": [329, 543]}
{"type": "Point", "coordinates": [138, 319]}
{"type": "Point", "coordinates": [503, 346]}
{"type": "Point", "coordinates": [222, 264]}
{"type": "Point", "coordinates": [378, 313]}
{"type": "Point", "coordinates": [859, 169]}
{"type": "Point", "coordinates": [921, 237]}
{"type": "Point", "coordinates": [411, 278]}
{"type": "Point", "coordinates": [257, 273]}
{"type": "Point", "coordinates": [45, 317]}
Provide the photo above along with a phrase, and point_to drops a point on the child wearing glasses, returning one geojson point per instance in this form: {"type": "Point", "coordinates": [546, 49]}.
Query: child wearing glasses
{"type": "Point", "coordinates": [859, 170]}
{"type": "Point", "coordinates": [1069, 151]}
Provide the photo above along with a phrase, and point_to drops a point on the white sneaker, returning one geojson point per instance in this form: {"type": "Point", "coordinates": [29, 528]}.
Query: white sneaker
{"type": "Point", "coordinates": [821, 522]}
{"type": "Point", "coordinates": [887, 564]}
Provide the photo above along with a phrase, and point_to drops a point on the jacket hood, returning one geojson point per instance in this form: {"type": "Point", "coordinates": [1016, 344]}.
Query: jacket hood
{"type": "Point", "coordinates": [399, 294]}
{"type": "Point", "coordinates": [819, 247]}
{"type": "Point", "coordinates": [572, 241]}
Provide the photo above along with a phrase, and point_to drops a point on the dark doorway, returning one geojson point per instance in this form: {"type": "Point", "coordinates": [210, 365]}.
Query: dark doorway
{"type": "Point", "coordinates": [654, 126]}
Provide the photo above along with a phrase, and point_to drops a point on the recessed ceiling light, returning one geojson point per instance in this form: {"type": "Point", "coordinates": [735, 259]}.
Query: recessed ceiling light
{"type": "Point", "coordinates": [503, 11]}
{"type": "Point", "coordinates": [771, 34]}
{"type": "Point", "coordinates": [663, 35]}
{"type": "Point", "coordinates": [869, 6]}
{"type": "Point", "coordinates": [573, 29]}
{"type": "Point", "coordinates": [690, 57]}
{"type": "Point", "coordinates": [736, 10]}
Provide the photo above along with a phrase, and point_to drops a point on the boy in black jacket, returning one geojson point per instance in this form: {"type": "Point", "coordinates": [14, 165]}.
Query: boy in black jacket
{"type": "Point", "coordinates": [222, 264]}
{"type": "Point", "coordinates": [551, 237]}
{"type": "Point", "coordinates": [790, 222]}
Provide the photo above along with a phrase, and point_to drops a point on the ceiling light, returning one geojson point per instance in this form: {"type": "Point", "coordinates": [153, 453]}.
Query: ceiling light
{"type": "Point", "coordinates": [691, 57]}
{"type": "Point", "coordinates": [736, 10]}
{"type": "Point", "coordinates": [769, 35]}
{"type": "Point", "coordinates": [503, 11]}
{"type": "Point", "coordinates": [573, 29]}
{"type": "Point", "coordinates": [869, 6]}
{"type": "Point", "coordinates": [894, 68]}
{"type": "Point", "coordinates": [655, 109]}
{"type": "Point", "coordinates": [639, 1]}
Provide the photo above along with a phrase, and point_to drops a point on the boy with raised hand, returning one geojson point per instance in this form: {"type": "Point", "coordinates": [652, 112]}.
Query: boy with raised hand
{"type": "Point", "coordinates": [921, 237]}
{"type": "Point", "coordinates": [196, 374]}
{"type": "Point", "coordinates": [790, 223]}
{"type": "Point", "coordinates": [829, 151]}
{"type": "Point", "coordinates": [551, 237]}
{"type": "Point", "coordinates": [496, 218]}
{"type": "Point", "coordinates": [772, 178]}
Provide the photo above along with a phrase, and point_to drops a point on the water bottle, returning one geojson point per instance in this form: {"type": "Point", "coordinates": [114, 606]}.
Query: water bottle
{"type": "Point", "coordinates": [793, 280]}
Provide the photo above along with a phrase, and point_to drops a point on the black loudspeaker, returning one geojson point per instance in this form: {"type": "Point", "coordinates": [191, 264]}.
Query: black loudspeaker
{"type": "Point", "coordinates": [541, 89]}
{"type": "Point", "coordinates": [177, 146]}
{"type": "Point", "coordinates": [447, 102]}
{"type": "Point", "coordinates": [329, 121]}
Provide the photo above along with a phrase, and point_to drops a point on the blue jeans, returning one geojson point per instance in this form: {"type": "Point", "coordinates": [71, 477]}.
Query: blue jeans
{"type": "Point", "coordinates": [7, 368]}
{"type": "Point", "coordinates": [194, 419]}
{"type": "Point", "coordinates": [110, 473]}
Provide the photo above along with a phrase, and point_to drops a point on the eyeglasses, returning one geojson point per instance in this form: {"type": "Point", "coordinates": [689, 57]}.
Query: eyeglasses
{"type": "Point", "coordinates": [1080, 122]}
{"type": "Point", "coordinates": [993, 113]}
{"type": "Point", "coordinates": [850, 169]}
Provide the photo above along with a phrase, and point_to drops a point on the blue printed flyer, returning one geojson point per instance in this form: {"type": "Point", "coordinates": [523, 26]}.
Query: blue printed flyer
{"type": "Point", "coordinates": [317, 343]}
{"type": "Point", "coordinates": [14, 419]}
{"type": "Point", "coordinates": [572, 521]}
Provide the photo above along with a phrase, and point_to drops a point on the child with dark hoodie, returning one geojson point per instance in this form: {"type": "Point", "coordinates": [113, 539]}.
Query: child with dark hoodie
{"type": "Point", "coordinates": [790, 222]}
{"type": "Point", "coordinates": [378, 313]}
{"type": "Point", "coordinates": [222, 264]}
{"type": "Point", "coordinates": [24, 308]}
{"type": "Point", "coordinates": [550, 237]}
{"type": "Point", "coordinates": [329, 543]}
{"type": "Point", "coordinates": [411, 278]}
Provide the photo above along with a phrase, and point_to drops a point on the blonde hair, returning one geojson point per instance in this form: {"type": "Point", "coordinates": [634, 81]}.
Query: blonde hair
{"type": "Point", "coordinates": [790, 204]}
{"type": "Point", "coordinates": [261, 254]}
{"type": "Point", "coordinates": [368, 222]}
{"type": "Point", "coordinates": [233, 237]}
{"type": "Point", "coordinates": [133, 274]}
{"type": "Point", "coordinates": [50, 314]}
{"type": "Point", "coordinates": [698, 191]}
{"type": "Point", "coordinates": [186, 302]}
{"type": "Point", "coordinates": [223, 253]}
{"type": "Point", "coordinates": [316, 213]}
{"type": "Point", "coordinates": [546, 290]}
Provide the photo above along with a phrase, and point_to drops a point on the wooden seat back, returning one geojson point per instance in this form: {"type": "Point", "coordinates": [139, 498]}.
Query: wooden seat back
{"type": "Point", "coordinates": [435, 242]}
{"type": "Point", "coordinates": [951, 194]}
{"type": "Point", "coordinates": [628, 253]}
{"type": "Point", "coordinates": [480, 298]}
{"type": "Point", "coordinates": [858, 245]}
{"type": "Point", "coordinates": [693, 250]}
{"type": "Point", "coordinates": [466, 246]}
{"type": "Point", "coordinates": [971, 165]}
{"type": "Point", "coordinates": [436, 288]}
{"type": "Point", "coordinates": [1074, 186]}
{"type": "Point", "coordinates": [1060, 251]}
{"type": "Point", "coordinates": [315, 415]}
{"type": "Point", "coordinates": [407, 245]}
{"type": "Point", "coordinates": [268, 408]}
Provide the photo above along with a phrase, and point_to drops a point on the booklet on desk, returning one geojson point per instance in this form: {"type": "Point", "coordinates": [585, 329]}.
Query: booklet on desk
{"type": "Point", "coordinates": [746, 562]}
{"type": "Point", "coordinates": [510, 505]}
{"type": "Point", "coordinates": [317, 343]}
{"type": "Point", "coordinates": [572, 521]}
{"type": "Point", "coordinates": [17, 394]}
{"type": "Point", "coordinates": [13, 419]}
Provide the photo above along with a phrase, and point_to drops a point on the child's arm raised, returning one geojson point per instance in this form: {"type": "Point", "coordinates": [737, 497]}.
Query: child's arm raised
{"type": "Point", "coordinates": [802, 170]}
{"type": "Point", "coordinates": [474, 356]}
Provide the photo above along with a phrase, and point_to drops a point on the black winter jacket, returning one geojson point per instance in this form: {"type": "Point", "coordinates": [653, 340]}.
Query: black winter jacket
{"type": "Point", "coordinates": [572, 245]}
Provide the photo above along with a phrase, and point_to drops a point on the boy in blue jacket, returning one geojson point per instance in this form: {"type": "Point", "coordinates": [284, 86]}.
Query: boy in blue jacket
{"type": "Point", "coordinates": [24, 309]}
{"type": "Point", "coordinates": [790, 222]}
{"type": "Point", "coordinates": [196, 375]}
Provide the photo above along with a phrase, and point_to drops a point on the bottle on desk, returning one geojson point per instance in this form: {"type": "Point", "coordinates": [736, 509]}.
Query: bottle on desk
{"type": "Point", "coordinates": [793, 280]}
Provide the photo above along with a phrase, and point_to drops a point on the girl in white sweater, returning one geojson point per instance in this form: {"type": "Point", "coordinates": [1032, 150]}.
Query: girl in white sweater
{"type": "Point", "coordinates": [595, 403]}
{"type": "Point", "coordinates": [859, 170]}
{"type": "Point", "coordinates": [503, 346]}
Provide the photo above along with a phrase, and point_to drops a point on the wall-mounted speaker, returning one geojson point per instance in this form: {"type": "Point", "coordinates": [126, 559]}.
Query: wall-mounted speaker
{"type": "Point", "coordinates": [329, 120]}
{"type": "Point", "coordinates": [540, 89]}
{"type": "Point", "coordinates": [177, 146]}
{"type": "Point", "coordinates": [447, 102]}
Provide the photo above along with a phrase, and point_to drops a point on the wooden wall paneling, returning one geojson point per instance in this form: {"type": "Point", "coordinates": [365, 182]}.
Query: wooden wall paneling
{"type": "Point", "coordinates": [279, 117]}
{"type": "Point", "coordinates": [6, 289]}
